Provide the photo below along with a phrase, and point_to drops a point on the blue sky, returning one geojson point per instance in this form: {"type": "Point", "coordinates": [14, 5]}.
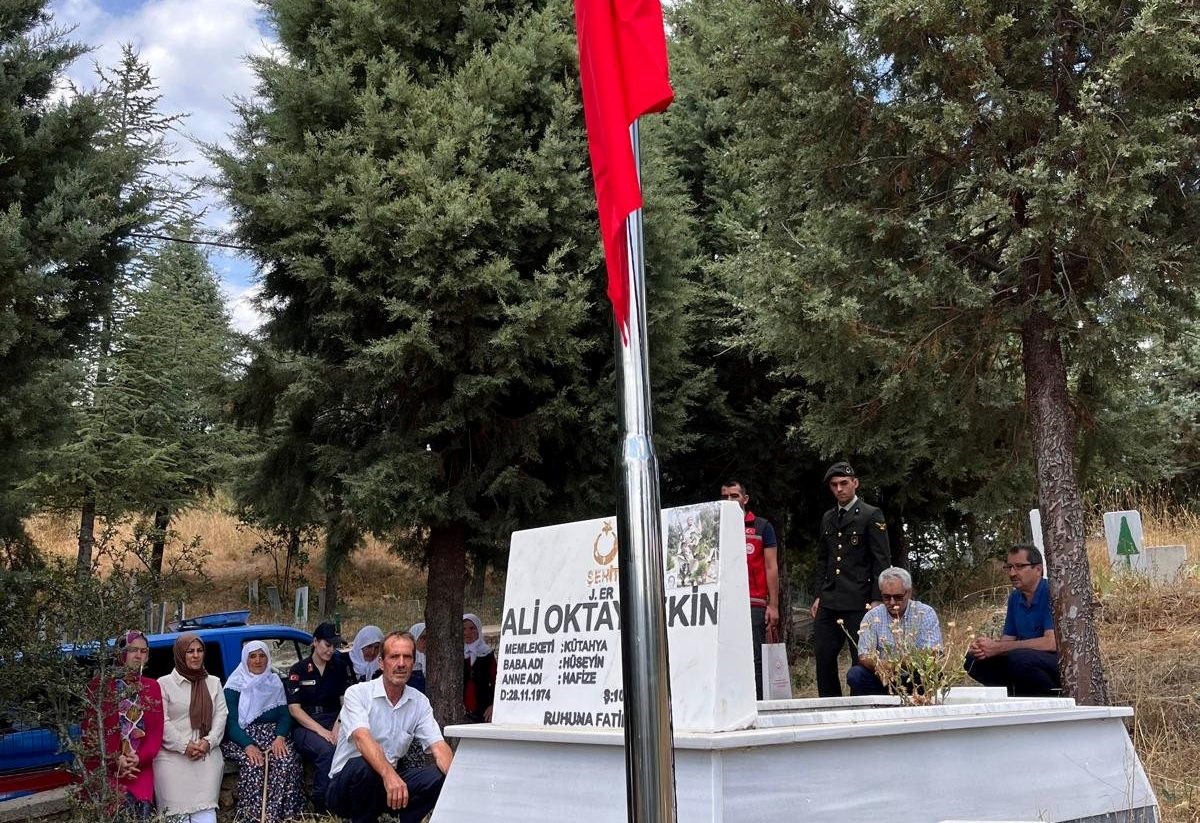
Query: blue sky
{"type": "Point", "coordinates": [196, 50]}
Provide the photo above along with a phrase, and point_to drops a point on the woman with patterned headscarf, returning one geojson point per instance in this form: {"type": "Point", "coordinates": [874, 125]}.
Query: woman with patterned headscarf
{"type": "Point", "coordinates": [187, 772]}
{"type": "Point", "coordinates": [256, 732]}
{"type": "Point", "coordinates": [122, 733]}
{"type": "Point", "coordinates": [479, 672]}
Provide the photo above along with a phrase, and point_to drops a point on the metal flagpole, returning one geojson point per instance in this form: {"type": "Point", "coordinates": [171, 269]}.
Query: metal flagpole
{"type": "Point", "coordinates": [649, 742]}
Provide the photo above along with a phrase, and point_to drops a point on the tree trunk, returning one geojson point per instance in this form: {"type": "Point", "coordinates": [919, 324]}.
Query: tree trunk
{"type": "Point", "coordinates": [897, 540]}
{"type": "Point", "coordinates": [447, 554]}
{"type": "Point", "coordinates": [333, 568]}
{"type": "Point", "coordinates": [1052, 432]}
{"type": "Point", "coordinates": [785, 590]}
{"type": "Point", "coordinates": [162, 519]}
{"type": "Point", "coordinates": [87, 538]}
{"type": "Point", "coordinates": [293, 551]}
{"type": "Point", "coordinates": [341, 538]}
{"type": "Point", "coordinates": [479, 564]}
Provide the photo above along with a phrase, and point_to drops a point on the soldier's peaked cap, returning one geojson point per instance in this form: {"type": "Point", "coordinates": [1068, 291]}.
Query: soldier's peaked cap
{"type": "Point", "coordinates": [839, 469]}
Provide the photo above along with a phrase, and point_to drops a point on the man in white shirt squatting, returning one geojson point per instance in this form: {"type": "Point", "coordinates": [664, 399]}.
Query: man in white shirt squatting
{"type": "Point", "coordinates": [379, 720]}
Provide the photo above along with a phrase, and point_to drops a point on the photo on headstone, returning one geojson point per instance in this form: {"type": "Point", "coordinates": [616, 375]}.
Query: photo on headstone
{"type": "Point", "coordinates": [693, 533]}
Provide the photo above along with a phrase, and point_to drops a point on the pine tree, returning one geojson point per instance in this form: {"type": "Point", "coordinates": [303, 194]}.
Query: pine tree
{"type": "Point", "coordinates": [173, 364]}
{"type": "Point", "coordinates": [57, 197]}
{"type": "Point", "coordinates": [416, 186]}
{"type": "Point", "coordinates": [152, 436]}
{"type": "Point", "coordinates": [960, 219]}
{"type": "Point", "coordinates": [135, 152]}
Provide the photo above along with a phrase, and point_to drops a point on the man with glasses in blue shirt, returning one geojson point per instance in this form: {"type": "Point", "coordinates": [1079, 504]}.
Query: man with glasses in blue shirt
{"type": "Point", "coordinates": [1025, 657]}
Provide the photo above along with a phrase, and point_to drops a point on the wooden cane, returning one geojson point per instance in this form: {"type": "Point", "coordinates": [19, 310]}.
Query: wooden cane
{"type": "Point", "coordinates": [262, 816]}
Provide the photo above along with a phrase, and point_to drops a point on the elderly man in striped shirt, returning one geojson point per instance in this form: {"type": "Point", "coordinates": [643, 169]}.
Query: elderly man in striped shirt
{"type": "Point", "coordinates": [899, 621]}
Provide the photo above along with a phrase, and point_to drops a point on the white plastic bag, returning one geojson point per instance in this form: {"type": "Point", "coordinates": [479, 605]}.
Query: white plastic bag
{"type": "Point", "coordinates": [776, 676]}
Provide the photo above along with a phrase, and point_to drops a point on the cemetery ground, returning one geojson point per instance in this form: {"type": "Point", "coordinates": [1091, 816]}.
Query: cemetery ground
{"type": "Point", "coordinates": [1150, 636]}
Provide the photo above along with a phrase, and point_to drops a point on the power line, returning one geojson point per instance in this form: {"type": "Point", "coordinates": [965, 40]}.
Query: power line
{"type": "Point", "coordinates": [190, 241]}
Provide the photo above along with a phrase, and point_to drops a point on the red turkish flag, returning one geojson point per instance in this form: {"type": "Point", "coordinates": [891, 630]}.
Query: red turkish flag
{"type": "Point", "coordinates": [623, 70]}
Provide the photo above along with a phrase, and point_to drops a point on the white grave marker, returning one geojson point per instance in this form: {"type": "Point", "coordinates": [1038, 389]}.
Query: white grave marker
{"type": "Point", "coordinates": [1035, 531]}
{"type": "Point", "coordinates": [1126, 547]}
{"type": "Point", "coordinates": [560, 642]}
{"type": "Point", "coordinates": [1164, 564]}
{"type": "Point", "coordinates": [301, 615]}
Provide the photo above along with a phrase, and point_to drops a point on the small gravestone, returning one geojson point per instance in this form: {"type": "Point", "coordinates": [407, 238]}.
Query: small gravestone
{"type": "Point", "coordinates": [273, 599]}
{"type": "Point", "coordinates": [1164, 564]}
{"type": "Point", "coordinates": [1039, 543]}
{"type": "Point", "coordinates": [1123, 533]}
{"type": "Point", "coordinates": [253, 593]}
{"type": "Point", "coordinates": [300, 616]}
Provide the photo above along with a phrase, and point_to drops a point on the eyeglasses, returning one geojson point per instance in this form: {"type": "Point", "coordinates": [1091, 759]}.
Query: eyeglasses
{"type": "Point", "coordinates": [1012, 567]}
{"type": "Point", "coordinates": [896, 597]}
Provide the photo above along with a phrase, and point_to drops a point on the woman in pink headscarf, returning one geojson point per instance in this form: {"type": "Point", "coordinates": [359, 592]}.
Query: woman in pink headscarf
{"type": "Point", "coordinates": [122, 733]}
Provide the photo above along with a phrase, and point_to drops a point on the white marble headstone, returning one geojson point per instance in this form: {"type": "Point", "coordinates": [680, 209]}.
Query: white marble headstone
{"type": "Point", "coordinates": [560, 643]}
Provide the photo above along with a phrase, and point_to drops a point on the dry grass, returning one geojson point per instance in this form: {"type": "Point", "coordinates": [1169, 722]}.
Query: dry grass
{"type": "Point", "coordinates": [376, 586]}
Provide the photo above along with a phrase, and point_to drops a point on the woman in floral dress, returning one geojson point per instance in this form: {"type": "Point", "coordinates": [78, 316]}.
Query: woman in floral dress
{"type": "Point", "coordinates": [256, 738]}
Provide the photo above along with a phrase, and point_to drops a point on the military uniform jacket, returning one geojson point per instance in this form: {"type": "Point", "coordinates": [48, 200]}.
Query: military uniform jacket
{"type": "Point", "coordinates": [850, 557]}
{"type": "Point", "coordinates": [319, 693]}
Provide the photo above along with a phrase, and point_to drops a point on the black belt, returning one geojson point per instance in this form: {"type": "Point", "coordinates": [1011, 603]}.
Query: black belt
{"type": "Point", "coordinates": [315, 710]}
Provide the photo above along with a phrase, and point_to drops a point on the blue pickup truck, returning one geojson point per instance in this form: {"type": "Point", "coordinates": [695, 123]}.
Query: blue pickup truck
{"type": "Point", "coordinates": [33, 760]}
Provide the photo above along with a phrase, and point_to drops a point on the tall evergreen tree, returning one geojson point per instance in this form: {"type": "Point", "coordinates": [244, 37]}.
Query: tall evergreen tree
{"type": "Point", "coordinates": [415, 184]}
{"type": "Point", "coordinates": [57, 203]}
{"type": "Point", "coordinates": [152, 436]}
{"type": "Point", "coordinates": [173, 365]}
{"type": "Point", "coordinates": [135, 145]}
{"type": "Point", "coordinates": [958, 215]}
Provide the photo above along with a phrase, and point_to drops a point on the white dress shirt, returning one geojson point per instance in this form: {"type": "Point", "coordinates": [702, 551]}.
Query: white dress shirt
{"type": "Point", "coordinates": [366, 706]}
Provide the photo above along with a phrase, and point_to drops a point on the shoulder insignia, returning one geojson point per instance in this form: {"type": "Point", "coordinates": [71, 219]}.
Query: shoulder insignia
{"type": "Point", "coordinates": [310, 667]}
{"type": "Point", "coordinates": [293, 676]}
{"type": "Point", "coordinates": [881, 526]}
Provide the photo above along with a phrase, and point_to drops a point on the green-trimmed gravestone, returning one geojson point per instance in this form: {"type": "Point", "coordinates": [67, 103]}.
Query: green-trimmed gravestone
{"type": "Point", "coordinates": [1126, 547]}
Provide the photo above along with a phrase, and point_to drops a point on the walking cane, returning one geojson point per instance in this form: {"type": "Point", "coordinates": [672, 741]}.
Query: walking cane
{"type": "Point", "coordinates": [262, 816]}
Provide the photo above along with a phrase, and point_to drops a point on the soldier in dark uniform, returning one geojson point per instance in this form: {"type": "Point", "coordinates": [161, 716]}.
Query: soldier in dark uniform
{"type": "Point", "coordinates": [852, 551]}
{"type": "Point", "coordinates": [314, 689]}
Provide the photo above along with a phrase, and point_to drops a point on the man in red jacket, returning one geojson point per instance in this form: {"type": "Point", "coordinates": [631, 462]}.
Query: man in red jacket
{"type": "Point", "coordinates": [762, 567]}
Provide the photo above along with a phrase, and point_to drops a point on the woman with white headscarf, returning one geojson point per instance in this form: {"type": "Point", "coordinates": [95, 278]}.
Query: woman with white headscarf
{"type": "Point", "coordinates": [417, 679]}
{"type": "Point", "coordinates": [364, 653]}
{"type": "Point", "coordinates": [256, 729]}
{"type": "Point", "coordinates": [479, 672]}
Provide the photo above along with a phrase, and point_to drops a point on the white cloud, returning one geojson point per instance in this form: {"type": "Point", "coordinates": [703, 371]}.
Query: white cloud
{"type": "Point", "coordinates": [243, 314]}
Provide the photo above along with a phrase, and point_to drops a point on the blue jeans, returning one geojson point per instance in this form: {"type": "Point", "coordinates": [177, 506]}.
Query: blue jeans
{"type": "Point", "coordinates": [862, 680]}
